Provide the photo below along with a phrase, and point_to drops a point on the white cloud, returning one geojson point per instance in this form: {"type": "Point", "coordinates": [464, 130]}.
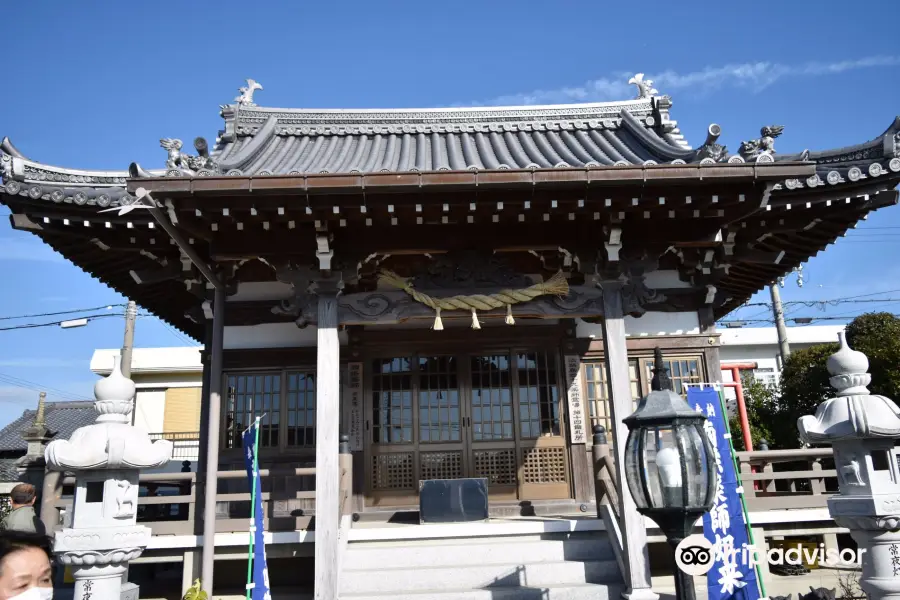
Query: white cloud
{"type": "Point", "coordinates": [26, 250]}
{"type": "Point", "coordinates": [755, 76]}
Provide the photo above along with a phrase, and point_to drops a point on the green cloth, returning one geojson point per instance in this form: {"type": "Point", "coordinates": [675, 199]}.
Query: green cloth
{"type": "Point", "coordinates": [23, 519]}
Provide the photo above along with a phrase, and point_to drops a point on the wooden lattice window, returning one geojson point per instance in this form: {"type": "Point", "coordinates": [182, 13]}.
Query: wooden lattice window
{"type": "Point", "coordinates": [596, 389]}
{"type": "Point", "coordinates": [392, 471]}
{"type": "Point", "coordinates": [538, 391]}
{"type": "Point", "coordinates": [438, 400]}
{"type": "Point", "coordinates": [440, 465]}
{"type": "Point", "coordinates": [544, 465]}
{"type": "Point", "coordinates": [301, 409]}
{"type": "Point", "coordinates": [682, 371]}
{"type": "Point", "coordinates": [251, 395]}
{"type": "Point", "coordinates": [497, 466]}
{"type": "Point", "coordinates": [392, 419]}
{"type": "Point", "coordinates": [492, 409]}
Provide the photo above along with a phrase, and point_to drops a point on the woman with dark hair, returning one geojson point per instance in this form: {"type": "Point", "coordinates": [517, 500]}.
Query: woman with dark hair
{"type": "Point", "coordinates": [25, 571]}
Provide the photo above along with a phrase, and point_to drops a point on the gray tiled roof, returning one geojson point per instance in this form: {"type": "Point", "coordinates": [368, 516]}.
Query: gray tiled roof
{"type": "Point", "coordinates": [276, 141]}
{"type": "Point", "coordinates": [260, 141]}
{"type": "Point", "coordinates": [62, 418]}
{"type": "Point", "coordinates": [8, 471]}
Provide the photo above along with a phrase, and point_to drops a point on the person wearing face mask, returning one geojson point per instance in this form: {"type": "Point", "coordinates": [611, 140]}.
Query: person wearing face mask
{"type": "Point", "coordinates": [25, 570]}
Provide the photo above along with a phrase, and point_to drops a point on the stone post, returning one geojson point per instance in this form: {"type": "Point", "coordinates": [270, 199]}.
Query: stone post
{"type": "Point", "coordinates": [107, 458]}
{"type": "Point", "coordinates": [31, 466]}
{"type": "Point", "coordinates": [862, 428]}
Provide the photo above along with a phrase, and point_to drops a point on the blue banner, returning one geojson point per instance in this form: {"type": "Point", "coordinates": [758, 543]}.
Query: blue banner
{"type": "Point", "coordinates": [258, 578]}
{"type": "Point", "coordinates": [732, 575]}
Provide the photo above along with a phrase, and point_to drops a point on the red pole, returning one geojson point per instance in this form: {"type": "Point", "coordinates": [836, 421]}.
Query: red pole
{"type": "Point", "coordinates": [742, 408]}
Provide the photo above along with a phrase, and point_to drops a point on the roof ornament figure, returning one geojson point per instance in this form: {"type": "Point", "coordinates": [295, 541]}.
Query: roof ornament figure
{"type": "Point", "coordinates": [765, 145]}
{"type": "Point", "coordinates": [179, 163]}
{"type": "Point", "coordinates": [711, 148]}
{"type": "Point", "coordinates": [173, 147]}
{"type": "Point", "coordinates": [645, 86]}
{"type": "Point", "coordinates": [246, 97]}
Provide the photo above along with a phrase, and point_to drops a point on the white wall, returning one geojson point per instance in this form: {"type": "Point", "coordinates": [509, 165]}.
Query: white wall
{"type": "Point", "coordinates": [150, 410]}
{"type": "Point", "coordinates": [273, 335]}
{"type": "Point", "coordinates": [651, 324]}
{"type": "Point", "coordinates": [179, 359]}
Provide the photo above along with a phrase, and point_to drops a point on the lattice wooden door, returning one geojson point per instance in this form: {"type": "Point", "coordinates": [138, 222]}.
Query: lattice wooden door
{"type": "Point", "coordinates": [495, 416]}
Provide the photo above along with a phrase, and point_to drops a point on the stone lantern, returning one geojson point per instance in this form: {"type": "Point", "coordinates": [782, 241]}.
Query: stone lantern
{"type": "Point", "coordinates": [862, 428]}
{"type": "Point", "coordinates": [107, 458]}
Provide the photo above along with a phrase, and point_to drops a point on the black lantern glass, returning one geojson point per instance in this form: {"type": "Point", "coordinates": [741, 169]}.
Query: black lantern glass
{"type": "Point", "coordinates": [670, 464]}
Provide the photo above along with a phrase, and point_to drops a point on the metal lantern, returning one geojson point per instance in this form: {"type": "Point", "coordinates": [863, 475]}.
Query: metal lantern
{"type": "Point", "coordinates": [669, 461]}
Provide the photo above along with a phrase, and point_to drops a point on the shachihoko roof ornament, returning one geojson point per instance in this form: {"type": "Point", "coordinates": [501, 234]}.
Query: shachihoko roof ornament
{"type": "Point", "coordinates": [645, 86]}
{"type": "Point", "coordinates": [246, 96]}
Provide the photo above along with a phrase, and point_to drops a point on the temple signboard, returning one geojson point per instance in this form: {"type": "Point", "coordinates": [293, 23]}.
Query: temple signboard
{"type": "Point", "coordinates": [576, 403]}
{"type": "Point", "coordinates": [354, 388]}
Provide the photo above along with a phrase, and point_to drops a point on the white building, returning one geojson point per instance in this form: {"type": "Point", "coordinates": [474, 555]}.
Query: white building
{"type": "Point", "coordinates": [169, 382]}
{"type": "Point", "coordinates": [760, 345]}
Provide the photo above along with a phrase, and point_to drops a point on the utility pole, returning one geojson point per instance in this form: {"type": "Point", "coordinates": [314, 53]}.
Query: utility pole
{"type": "Point", "coordinates": [128, 344]}
{"type": "Point", "coordinates": [125, 366]}
{"type": "Point", "coordinates": [783, 346]}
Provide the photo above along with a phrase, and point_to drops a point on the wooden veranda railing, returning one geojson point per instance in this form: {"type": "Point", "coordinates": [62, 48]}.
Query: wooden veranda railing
{"type": "Point", "coordinates": [772, 479]}
{"type": "Point", "coordinates": [168, 501]}
{"type": "Point", "coordinates": [788, 479]}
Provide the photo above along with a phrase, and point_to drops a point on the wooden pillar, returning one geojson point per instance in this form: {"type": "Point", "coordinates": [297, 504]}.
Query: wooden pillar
{"type": "Point", "coordinates": [200, 467]}
{"type": "Point", "coordinates": [211, 481]}
{"type": "Point", "coordinates": [328, 417]}
{"type": "Point", "coordinates": [634, 534]}
{"type": "Point", "coordinates": [711, 353]}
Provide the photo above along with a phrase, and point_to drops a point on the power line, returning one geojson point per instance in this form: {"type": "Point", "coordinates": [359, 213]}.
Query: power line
{"type": "Point", "coordinates": [62, 312]}
{"type": "Point", "coordinates": [184, 339]}
{"type": "Point", "coordinates": [832, 301]}
{"type": "Point", "coordinates": [56, 323]}
{"type": "Point", "coordinates": [37, 387]}
{"type": "Point", "coordinates": [805, 320]}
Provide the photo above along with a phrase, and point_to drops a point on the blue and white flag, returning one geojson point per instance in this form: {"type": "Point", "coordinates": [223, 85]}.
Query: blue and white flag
{"type": "Point", "coordinates": [258, 578]}
{"type": "Point", "coordinates": [732, 575]}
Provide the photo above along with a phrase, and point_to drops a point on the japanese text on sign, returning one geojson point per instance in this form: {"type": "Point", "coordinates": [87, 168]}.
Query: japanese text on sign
{"type": "Point", "coordinates": [354, 390]}
{"type": "Point", "coordinates": [576, 405]}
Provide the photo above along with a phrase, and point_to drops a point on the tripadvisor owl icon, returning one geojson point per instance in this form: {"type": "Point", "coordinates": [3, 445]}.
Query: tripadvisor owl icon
{"type": "Point", "coordinates": [694, 555]}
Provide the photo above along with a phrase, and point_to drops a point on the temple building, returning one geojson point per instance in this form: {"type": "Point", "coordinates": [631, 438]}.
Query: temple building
{"type": "Point", "coordinates": [462, 291]}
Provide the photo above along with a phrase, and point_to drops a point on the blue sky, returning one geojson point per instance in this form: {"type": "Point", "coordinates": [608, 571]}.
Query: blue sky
{"type": "Point", "coordinates": [97, 84]}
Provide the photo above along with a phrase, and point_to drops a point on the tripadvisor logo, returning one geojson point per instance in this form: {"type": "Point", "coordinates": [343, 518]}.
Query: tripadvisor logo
{"type": "Point", "coordinates": [695, 555]}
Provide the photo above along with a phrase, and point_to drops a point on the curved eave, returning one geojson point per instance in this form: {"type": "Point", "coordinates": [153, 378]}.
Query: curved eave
{"type": "Point", "coordinates": [823, 223]}
{"type": "Point", "coordinates": [473, 180]}
{"type": "Point", "coordinates": [168, 300]}
{"type": "Point", "coordinates": [855, 167]}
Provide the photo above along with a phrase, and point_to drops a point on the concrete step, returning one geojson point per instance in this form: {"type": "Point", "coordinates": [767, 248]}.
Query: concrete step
{"type": "Point", "coordinates": [473, 576]}
{"type": "Point", "coordinates": [585, 591]}
{"type": "Point", "coordinates": [462, 552]}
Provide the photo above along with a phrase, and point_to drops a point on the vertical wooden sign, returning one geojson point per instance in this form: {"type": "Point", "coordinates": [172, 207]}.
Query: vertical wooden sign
{"type": "Point", "coordinates": [355, 391]}
{"type": "Point", "coordinates": [576, 411]}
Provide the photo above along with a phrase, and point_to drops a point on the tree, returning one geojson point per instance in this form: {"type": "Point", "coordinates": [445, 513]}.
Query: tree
{"type": "Point", "coordinates": [804, 385]}
{"type": "Point", "coordinates": [761, 401]}
{"type": "Point", "coordinates": [805, 379]}
{"type": "Point", "coordinates": [877, 335]}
